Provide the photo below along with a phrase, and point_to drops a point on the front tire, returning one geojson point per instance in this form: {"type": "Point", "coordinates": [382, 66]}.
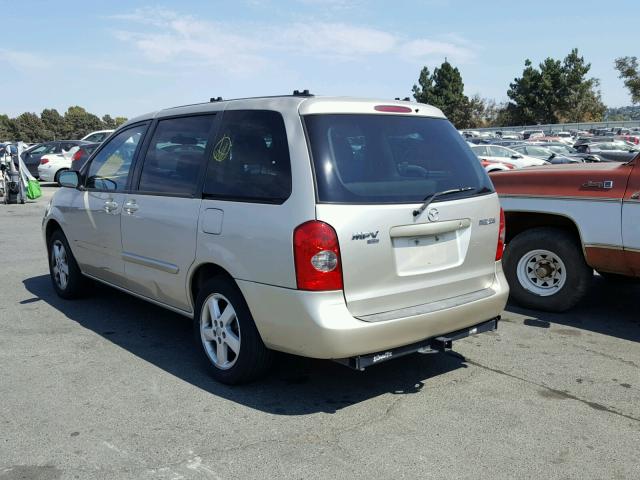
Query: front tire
{"type": "Point", "coordinates": [65, 274]}
{"type": "Point", "coordinates": [546, 270]}
{"type": "Point", "coordinates": [226, 335]}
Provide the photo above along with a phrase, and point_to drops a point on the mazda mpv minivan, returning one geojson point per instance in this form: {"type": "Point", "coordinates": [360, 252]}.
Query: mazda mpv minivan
{"type": "Point", "coordinates": [335, 228]}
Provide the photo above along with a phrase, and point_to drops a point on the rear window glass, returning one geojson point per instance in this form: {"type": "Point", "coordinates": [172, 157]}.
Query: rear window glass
{"type": "Point", "coordinates": [390, 159]}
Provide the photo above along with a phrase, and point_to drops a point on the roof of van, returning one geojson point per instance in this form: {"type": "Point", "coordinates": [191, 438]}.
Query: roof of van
{"type": "Point", "coordinates": [305, 105]}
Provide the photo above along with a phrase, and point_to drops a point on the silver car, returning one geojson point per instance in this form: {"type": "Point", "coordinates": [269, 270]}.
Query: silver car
{"type": "Point", "coordinates": [335, 228]}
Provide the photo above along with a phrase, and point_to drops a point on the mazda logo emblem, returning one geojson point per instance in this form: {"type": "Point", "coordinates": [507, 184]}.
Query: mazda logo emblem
{"type": "Point", "coordinates": [433, 215]}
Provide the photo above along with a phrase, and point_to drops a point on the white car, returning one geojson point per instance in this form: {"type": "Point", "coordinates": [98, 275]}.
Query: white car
{"type": "Point", "coordinates": [97, 136]}
{"type": "Point", "coordinates": [53, 164]}
{"type": "Point", "coordinates": [491, 166]}
{"type": "Point", "coordinates": [497, 153]}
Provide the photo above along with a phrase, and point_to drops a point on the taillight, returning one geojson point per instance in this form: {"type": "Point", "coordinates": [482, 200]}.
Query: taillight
{"type": "Point", "coordinates": [317, 257]}
{"type": "Point", "coordinates": [77, 155]}
{"type": "Point", "coordinates": [501, 237]}
{"type": "Point", "coordinates": [44, 161]}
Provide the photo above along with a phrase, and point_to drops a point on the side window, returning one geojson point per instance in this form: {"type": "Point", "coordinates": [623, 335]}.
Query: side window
{"type": "Point", "coordinates": [109, 169]}
{"type": "Point", "coordinates": [250, 158]}
{"type": "Point", "coordinates": [176, 155]}
{"type": "Point", "coordinates": [498, 151]}
{"type": "Point", "coordinates": [480, 150]}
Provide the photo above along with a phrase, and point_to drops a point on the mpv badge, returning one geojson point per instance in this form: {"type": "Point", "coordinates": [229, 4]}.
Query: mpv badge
{"type": "Point", "coordinates": [433, 215]}
{"type": "Point", "coordinates": [370, 237]}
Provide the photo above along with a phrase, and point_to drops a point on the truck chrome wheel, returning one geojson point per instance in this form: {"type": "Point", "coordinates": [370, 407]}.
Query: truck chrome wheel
{"type": "Point", "coordinates": [220, 331]}
{"type": "Point", "coordinates": [541, 272]}
{"type": "Point", "coordinates": [60, 264]}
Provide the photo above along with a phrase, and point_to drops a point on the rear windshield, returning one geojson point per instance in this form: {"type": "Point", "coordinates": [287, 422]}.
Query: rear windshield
{"type": "Point", "coordinates": [390, 159]}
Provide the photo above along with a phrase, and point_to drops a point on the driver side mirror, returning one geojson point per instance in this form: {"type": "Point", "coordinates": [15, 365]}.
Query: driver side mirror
{"type": "Point", "coordinates": [69, 179]}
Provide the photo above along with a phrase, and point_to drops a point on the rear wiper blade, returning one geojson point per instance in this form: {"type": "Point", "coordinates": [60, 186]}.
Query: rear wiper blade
{"type": "Point", "coordinates": [431, 198]}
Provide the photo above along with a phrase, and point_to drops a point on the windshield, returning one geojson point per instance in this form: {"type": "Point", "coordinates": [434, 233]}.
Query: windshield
{"type": "Point", "coordinates": [390, 159]}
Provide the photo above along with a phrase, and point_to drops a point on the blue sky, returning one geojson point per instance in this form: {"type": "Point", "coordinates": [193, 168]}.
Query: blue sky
{"type": "Point", "coordinates": [131, 57]}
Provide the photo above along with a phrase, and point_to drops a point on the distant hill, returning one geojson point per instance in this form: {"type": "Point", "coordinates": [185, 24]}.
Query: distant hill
{"type": "Point", "coordinates": [623, 113]}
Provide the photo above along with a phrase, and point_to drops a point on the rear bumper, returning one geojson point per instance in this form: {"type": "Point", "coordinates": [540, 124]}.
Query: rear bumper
{"type": "Point", "coordinates": [319, 325]}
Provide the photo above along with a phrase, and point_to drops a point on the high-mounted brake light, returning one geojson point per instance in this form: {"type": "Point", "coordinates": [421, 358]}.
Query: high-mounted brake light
{"type": "Point", "coordinates": [501, 237]}
{"type": "Point", "coordinates": [392, 109]}
{"type": "Point", "coordinates": [317, 257]}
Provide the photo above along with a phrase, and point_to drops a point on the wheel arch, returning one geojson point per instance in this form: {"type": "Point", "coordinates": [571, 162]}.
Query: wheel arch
{"type": "Point", "coordinates": [199, 276]}
{"type": "Point", "coordinates": [520, 221]}
{"type": "Point", "coordinates": [56, 176]}
{"type": "Point", "coordinates": [52, 225]}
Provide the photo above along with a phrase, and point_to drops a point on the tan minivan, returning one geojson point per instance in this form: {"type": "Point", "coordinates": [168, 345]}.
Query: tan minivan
{"type": "Point", "coordinates": [335, 228]}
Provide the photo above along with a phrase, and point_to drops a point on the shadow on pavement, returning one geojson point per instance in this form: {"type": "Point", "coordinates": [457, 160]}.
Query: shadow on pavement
{"type": "Point", "coordinates": [609, 309]}
{"type": "Point", "coordinates": [296, 385]}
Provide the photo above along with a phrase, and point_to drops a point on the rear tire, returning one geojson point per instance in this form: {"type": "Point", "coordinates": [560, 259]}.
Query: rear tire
{"type": "Point", "coordinates": [546, 270]}
{"type": "Point", "coordinates": [65, 274]}
{"type": "Point", "coordinates": [226, 335]}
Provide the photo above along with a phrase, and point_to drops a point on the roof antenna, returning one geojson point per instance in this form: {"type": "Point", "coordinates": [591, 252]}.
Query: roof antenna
{"type": "Point", "coordinates": [304, 93]}
{"type": "Point", "coordinates": [215, 99]}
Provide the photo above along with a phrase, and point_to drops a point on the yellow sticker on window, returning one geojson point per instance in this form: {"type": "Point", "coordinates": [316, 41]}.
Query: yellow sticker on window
{"type": "Point", "coordinates": [222, 149]}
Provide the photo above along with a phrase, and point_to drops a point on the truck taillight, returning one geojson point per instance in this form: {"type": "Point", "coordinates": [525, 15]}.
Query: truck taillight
{"type": "Point", "coordinates": [317, 257]}
{"type": "Point", "coordinates": [501, 237]}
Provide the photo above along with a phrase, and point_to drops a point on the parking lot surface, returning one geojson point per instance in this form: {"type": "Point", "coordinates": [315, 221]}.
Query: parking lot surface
{"type": "Point", "coordinates": [110, 387]}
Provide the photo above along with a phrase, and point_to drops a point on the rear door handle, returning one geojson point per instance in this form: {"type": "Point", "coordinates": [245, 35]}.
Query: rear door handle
{"type": "Point", "coordinates": [635, 195]}
{"type": "Point", "coordinates": [130, 207]}
{"type": "Point", "coordinates": [110, 206]}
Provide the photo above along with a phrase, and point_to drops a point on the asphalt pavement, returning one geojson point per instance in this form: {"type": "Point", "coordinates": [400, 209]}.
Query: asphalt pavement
{"type": "Point", "coordinates": [110, 387]}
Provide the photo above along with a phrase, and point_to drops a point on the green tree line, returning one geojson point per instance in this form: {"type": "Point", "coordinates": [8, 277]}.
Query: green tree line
{"type": "Point", "coordinates": [50, 125]}
{"type": "Point", "coordinates": [555, 91]}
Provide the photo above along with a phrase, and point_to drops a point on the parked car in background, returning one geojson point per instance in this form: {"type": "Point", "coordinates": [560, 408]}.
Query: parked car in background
{"type": "Point", "coordinates": [497, 153]}
{"type": "Point", "coordinates": [593, 139]}
{"type": "Point", "coordinates": [81, 155]}
{"type": "Point", "coordinates": [569, 151]}
{"type": "Point", "coordinates": [491, 166]}
{"type": "Point", "coordinates": [527, 134]}
{"type": "Point", "coordinates": [541, 152]}
{"type": "Point", "coordinates": [635, 139]}
{"type": "Point", "coordinates": [53, 164]}
{"type": "Point", "coordinates": [97, 136]}
{"type": "Point", "coordinates": [563, 222]}
{"type": "Point", "coordinates": [615, 151]}
{"type": "Point", "coordinates": [375, 234]}
{"type": "Point", "coordinates": [31, 156]}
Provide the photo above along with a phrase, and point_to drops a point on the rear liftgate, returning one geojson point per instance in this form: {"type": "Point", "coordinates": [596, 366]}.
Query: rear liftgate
{"type": "Point", "coordinates": [439, 344]}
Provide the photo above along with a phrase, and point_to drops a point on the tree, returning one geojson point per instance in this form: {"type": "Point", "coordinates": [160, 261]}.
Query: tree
{"type": "Point", "coordinates": [423, 92]}
{"type": "Point", "coordinates": [29, 127]}
{"type": "Point", "coordinates": [7, 128]}
{"type": "Point", "coordinates": [556, 91]}
{"type": "Point", "coordinates": [78, 122]}
{"type": "Point", "coordinates": [120, 121]}
{"type": "Point", "coordinates": [445, 90]}
{"type": "Point", "coordinates": [109, 123]}
{"type": "Point", "coordinates": [628, 71]}
{"type": "Point", "coordinates": [53, 123]}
